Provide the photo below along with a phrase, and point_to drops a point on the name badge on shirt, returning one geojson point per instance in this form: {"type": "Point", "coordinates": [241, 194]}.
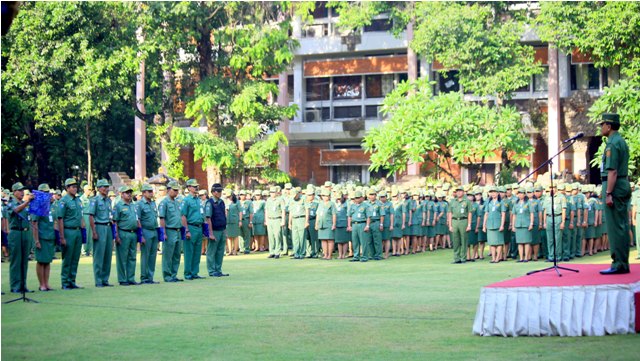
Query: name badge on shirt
{"type": "Point", "coordinates": [312, 213]}
{"type": "Point", "coordinates": [374, 213]}
{"type": "Point", "coordinates": [359, 215]}
{"type": "Point", "coordinates": [493, 209]}
{"type": "Point", "coordinates": [201, 210]}
{"type": "Point", "coordinates": [50, 218]}
{"type": "Point", "coordinates": [462, 210]}
{"type": "Point", "coordinates": [521, 210]}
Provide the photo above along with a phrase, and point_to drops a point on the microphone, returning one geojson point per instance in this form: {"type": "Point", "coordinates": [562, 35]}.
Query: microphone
{"type": "Point", "coordinates": [577, 136]}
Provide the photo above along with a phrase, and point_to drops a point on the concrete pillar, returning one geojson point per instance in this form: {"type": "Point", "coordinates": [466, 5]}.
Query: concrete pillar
{"type": "Point", "coordinates": [554, 106]}
{"type": "Point", "coordinates": [298, 88]}
{"type": "Point", "coordinates": [564, 75]}
{"type": "Point", "coordinates": [283, 100]}
{"type": "Point", "coordinates": [140, 159]}
{"type": "Point", "coordinates": [412, 58]}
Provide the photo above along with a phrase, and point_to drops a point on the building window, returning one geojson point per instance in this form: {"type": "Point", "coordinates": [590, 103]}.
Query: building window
{"type": "Point", "coordinates": [448, 81]}
{"type": "Point", "coordinates": [290, 88]}
{"type": "Point", "coordinates": [404, 77]}
{"type": "Point", "coordinates": [318, 89]}
{"type": "Point", "coordinates": [584, 76]}
{"type": "Point", "coordinates": [378, 86]}
{"type": "Point", "coordinates": [347, 112]}
{"type": "Point", "coordinates": [347, 87]}
{"type": "Point", "coordinates": [344, 174]}
{"type": "Point", "coordinates": [371, 111]}
{"type": "Point", "coordinates": [541, 81]}
{"type": "Point", "coordinates": [378, 25]}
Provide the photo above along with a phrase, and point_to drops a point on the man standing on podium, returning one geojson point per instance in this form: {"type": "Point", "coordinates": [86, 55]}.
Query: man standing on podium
{"type": "Point", "coordinates": [617, 193]}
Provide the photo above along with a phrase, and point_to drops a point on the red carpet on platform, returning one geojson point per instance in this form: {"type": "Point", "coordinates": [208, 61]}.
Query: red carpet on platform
{"type": "Point", "coordinates": [577, 304]}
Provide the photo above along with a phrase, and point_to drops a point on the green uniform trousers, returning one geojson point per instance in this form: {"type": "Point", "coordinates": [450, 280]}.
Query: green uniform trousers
{"type": "Point", "coordinates": [551, 251]}
{"type": "Point", "coordinates": [245, 232]}
{"type": "Point", "coordinates": [311, 237]}
{"type": "Point", "coordinates": [459, 239]}
{"type": "Point", "coordinates": [637, 234]}
{"type": "Point", "coordinates": [298, 238]}
{"type": "Point", "coordinates": [148, 254]}
{"type": "Point", "coordinates": [215, 252]}
{"type": "Point", "coordinates": [274, 231]}
{"type": "Point", "coordinates": [543, 251]}
{"type": "Point", "coordinates": [171, 250]}
{"type": "Point", "coordinates": [567, 236]}
{"type": "Point", "coordinates": [360, 241]}
{"type": "Point", "coordinates": [102, 254]}
{"type": "Point", "coordinates": [577, 245]}
{"type": "Point", "coordinates": [19, 249]}
{"type": "Point", "coordinates": [192, 252]}
{"type": "Point", "coordinates": [70, 256]}
{"type": "Point", "coordinates": [617, 223]}
{"type": "Point", "coordinates": [287, 240]}
{"type": "Point", "coordinates": [126, 256]}
{"type": "Point", "coordinates": [375, 247]}
{"type": "Point", "coordinates": [87, 248]}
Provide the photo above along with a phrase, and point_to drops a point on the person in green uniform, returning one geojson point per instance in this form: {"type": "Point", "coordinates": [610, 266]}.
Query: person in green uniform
{"type": "Point", "coordinates": [417, 217]}
{"type": "Point", "coordinates": [635, 214]}
{"type": "Point", "coordinates": [234, 222]}
{"type": "Point", "coordinates": [398, 223]}
{"type": "Point", "coordinates": [614, 172]}
{"type": "Point", "coordinates": [85, 198]}
{"type": "Point", "coordinates": [536, 209]}
{"type": "Point", "coordinates": [18, 240]}
{"type": "Point", "coordinates": [170, 222]}
{"type": "Point", "coordinates": [540, 196]}
{"type": "Point", "coordinates": [257, 218]}
{"type": "Point", "coordinates": [590, 232]}
{"type": "Point", "coordinates": [459, 222]}
{"type": "Point", "coordinates": [216, 217]}
{"type": "Point", "coordinates": [493, 224]}
{"type": "Point", "coordinates": [148, 216]}
{"type": "Point", "coordinates": [310, 232]}
{"type": "Point", "coordinates": [127, 224]}
{"type": "Point", "coordinates": [159, 197]}
{"type": "Point", "coordinates": [287, 240]}
{"type": "Point", "coordinates": [481, 234]}
{"type": "Point", "coordinates": [342, 236]}
{"type": "Point", "coordinates": [100, 218]}
{"type": "Point", "coordinates": [358, 222]}
{"type": "Point", "coordinates": [507, 201]}
{"type": "Point", "coordinates": [275, 216]}
{"type": "Point", "coordinates": [204, 197]}
{"type": "Point", "coordinates": [406, 231]}
{"type": "Point", "coordinates": [472, 234]}
{"type": "Point", "coordinates": [326, 223]}
{"type": "Point", "coordinates": [70, 223]}
{"type": "Point", "coordinates": [387, 225]}
{"type": "Point", "coordinates": [376, 226]}
{"type": "Point", "coordinates": [554, 222]}
{"type": "Point", "coordinates": [567, 232]}
{"type": "Point", "coordinates": [44, 237]}
{"type": "Point", "coordinates": [192, 218]}
{"type": "Point", "coordinates": [522, 225]}
{"type": "Point", "coordinates": [297, 223]}
{"type": "Point", "coordinates": [246, 205]}
{"type": "Point", "coordinates": [581, 219]}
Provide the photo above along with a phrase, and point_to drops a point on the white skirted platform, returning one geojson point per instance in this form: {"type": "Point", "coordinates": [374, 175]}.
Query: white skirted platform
{"type": "Point", "coordinates": [576, 304]}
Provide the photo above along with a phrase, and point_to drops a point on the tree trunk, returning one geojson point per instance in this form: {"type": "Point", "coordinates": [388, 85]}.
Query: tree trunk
{"type": "Point", "coordinates": [89, 164]}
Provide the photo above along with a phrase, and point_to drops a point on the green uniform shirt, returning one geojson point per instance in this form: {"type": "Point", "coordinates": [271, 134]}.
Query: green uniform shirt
{"type": "Point", "coordinates": [126, 216]}
{"type": "Point", "coordinates": [536, 209]}
{"type": "Point", "coordinates": [100, 209]}
{"type": "Point", "coordinates": [376, 210]}
{"type": "Point", "coordinates": [297, 208]}
{"type": "Point", "coordinates": [559, 202]}
{"type": "Point", "coordinates": [341, 215]}
{"type": "Point", "coordinates": [523, 211]}
{"type": "Point", "coordinates": [312, 207]}
{"type": "Point", "coordinates": [247, 208]}
{"type": "Point", "coordinates": [325, 213]}
{"type": "Point", "coordinates": [592, 207]}
{"type": "Point", "coordinates": [508, 204]}
{"type": "Point", "coordinates": [274, 207]}
{"type": "Point", "coordinates": [570, 207]}
{"type": "Point", "coordinates": [443, 208]}
{"type": "Point", "coordinates": [258, 211]}
{"type": "Point", "coordinates": [169, 210]}
{"type": "Point", "coordinates": [70, 211]}
{"type": "Point", "coordinates": [46, 224]}
{"type": "Point", "coordinates": [147, 213]}
{"type": "Point", "coordinates": [494, 210]}
{"type": "Point", "coordinates": [386, 209]}
{"type": "Point", "coordinates": [397, 214]}
{"type": "Point", "coordinates": [192, 210]}
{"type": "Point", "coordinates": [615, 156]}
{"type": "Point", "coordinates": [233, 212]}
{"type": "Point", "coordinates": [359, 212]}
{"type": "Point", "coordinates": [17, 221]}
{"type": "Point", "coordinates": [460, 209]}
{"type": "Point", "coordinates": [85, 200]}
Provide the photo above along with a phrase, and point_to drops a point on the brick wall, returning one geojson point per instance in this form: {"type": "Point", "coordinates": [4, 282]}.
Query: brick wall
{"type": "Point", "coordinates": [193, 169]}
{"type": "Point", "coordinates": [304, 163]}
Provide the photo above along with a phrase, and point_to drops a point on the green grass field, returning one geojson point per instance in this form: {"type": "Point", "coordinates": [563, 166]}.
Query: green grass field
{"type": "Point", "coordinates": [409, 308]}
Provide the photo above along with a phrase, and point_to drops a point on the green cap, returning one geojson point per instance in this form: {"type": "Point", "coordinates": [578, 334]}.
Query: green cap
{"type": "Point", "coordinates": [501, 189]}
{"type": "Point", "coordinates": [326, 193]}
{"type": "Point", "coordinates": [358, 194]}
{"type": "Point", "coordinates": [202, 192]}
{"type": "Point", "coordinates": [174, 185]}
{"type": "Point", "coordinates": [459, 188]}
{"type": "Point", "coordinates": [265, 192]}
{"type": "Point", "coordinates": [162, 188]}
{"type": "Point", "coordinates": [44, 187]}
{"type": "Point", "coordinates": [309, 192]}
{"type": "Point", "coordinates": [102, 183]}
{"type": "Point", "coordinates": [146, 187]}
{"type": "Point", "coordinates": [124, 189]}
{"type": "Point", "coordinates": [522, 190]}
{"type": "Point", "coordinates": [611, 118]}
{"type": "Point", "coordinates": [192, 183]}
{"type": "Point", "coordinates": [273, 190]}
{"type": "Point", "coordinates": [492, 189]}
{"type": "Point", "coordinates": [288, 186]}
{"type": "Point", "coordinates": [110, 194]}
{"type": "Point", "coordinates": [538, 189]}
{"type": "Point", "coordinates": [17, 187]}
{"type": "Point", "coordinates": [328, 184]}
{"type": "Point", "coordinates": [561, 186]}
{"type": "Point", "coordinates": [70, 182]}
{"type": "Point", "coordinates": [382, 195]}
{"type": "Point", "coordinates": [242, 192]}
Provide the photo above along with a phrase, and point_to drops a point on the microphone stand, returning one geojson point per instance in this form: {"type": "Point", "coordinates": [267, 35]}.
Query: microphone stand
{"type": "Point", "coordinates": [549, 162]}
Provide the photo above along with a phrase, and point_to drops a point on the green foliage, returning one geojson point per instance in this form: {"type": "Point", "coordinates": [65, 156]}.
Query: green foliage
{"type": "Point", "coordinates": [446, 125]}
{"type": "Point", "coordinates": [214, 151]}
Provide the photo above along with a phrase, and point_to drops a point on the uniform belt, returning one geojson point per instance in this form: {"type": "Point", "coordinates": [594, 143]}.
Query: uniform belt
{"type": "Point", "coordinates": [149, 229]}
{"type": "Point", "coordinates": [19, 229]}
{"type": "Point", "coordinates": [299, 217]}
{"type": "Point", "coordinates": [195, 224]}
{"type": "Point", "coordinates": [374, 220]}
{"type": "Point", "coordinates": [275, 217]}
{"type": "Point", "coordinates": [458, 218]}
{"type": "Point", "coordinates": [74, 228]}
{"type": "Point", "coordinates": [604, 179]}
{"type": "Point", "coordinates": [359, 222]}
{"type": "Point", "coordinates": [173, 229]}
{"type": "Point", "coordinates": [557, 215]}
{"type": "Point", "coordinates": [312, 218]}
{"type": "Point", "coordinates": [103, 223]}
{"type": "Point", "coordinates": [127, 230]}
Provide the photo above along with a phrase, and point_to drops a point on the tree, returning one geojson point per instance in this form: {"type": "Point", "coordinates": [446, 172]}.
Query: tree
{"type": "Point", "coordinates": [608, 32]}
{"type": "Point", "coordinates": [68, 63]}
{"type": "Point", "coordinates": [444, 127]}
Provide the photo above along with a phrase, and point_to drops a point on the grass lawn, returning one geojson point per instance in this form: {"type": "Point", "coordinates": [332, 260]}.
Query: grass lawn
{"type": "Point", "coordinates": [417, 307]}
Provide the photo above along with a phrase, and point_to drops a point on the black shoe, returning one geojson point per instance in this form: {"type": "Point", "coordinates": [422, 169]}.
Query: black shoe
{"type": "Point", "coordinates": [188, 278]}
{"type": "Point", "coordinates": [196, 277]}
{"type": "Point", "coordinates": [246, 252]}
{"type": "Point", "coordinates": [566, 259]}
{"type": "Point", "coordinates": [67, 287]}
{"type": "Point", "coordinates": [272, 256]}
{"type": "Point", "coordinates": [223, 274]}
{"type": "Point", "coordinates": [134, 283]}
{"type": "Point", "coordinates": [76, 286]}
{"type": "Point", "coordinates": [364, 260]}
{"type": "Point", "coordinates": [614, 271]}
{"type": "Point", "coordinates": [107, 284]}
{"type": "Point", "coordinates": [99, 285]}
{"type": "Point", "coordinates": [456, 262]}
{"type": "Point", "coordinates": [178, 279]}
{"type": "Point", "coordinates": [354, 260]}
{"type": "Point", "coordinates": [471, 260]}
{"type": "Point", "coordinates": [16, 291]}
{"type": "Point", "coordinates": [124, 283]}
{"type": "Point", "coordinates": [276, 256]}
{"type": "Point", "coordinates": [170, 280]}
{"type": "Point", "coordinates": [151, 282]}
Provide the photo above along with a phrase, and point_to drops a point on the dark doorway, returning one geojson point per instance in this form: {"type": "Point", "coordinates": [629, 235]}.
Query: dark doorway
{"type": "Point", "coordinates": [594, 171]}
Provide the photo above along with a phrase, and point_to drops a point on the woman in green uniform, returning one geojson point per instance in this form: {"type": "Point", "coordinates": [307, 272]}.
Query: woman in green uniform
{"type": "Point", "coordinates": [326, 224]}
{"type": "Point", "coordinates": [406, 232]}
{"type": "Point", "coordinates": [416, 220]}
{"type": "Point", "coordinates": [522, 225]}
{"type": "Point", "coordinates": [233, 223]}
{"type": "Point", "coordinates": [397, 206]}
{"type": "Point", "coordinates": [442, 231]}
{"type": "Point", "coordinates": [387, 225]}
{"type": "Point", "coordinates": [590, 232]}
{"type": "Point", "coordinates": [536, 208]}
{"type": "Point", "coordinates": [341, 236]}
{"type": "Point", "coordinates": [472, 235]}
{"type": "Point", "coordinates": [493, 224]}
{"type": "Point", "coordinates": [479, 215]}
{"type": "Point", "coordinates": [44, 238]}
{"type": "Point", "coordinates": [430, 220]}
{"type": "Point", "coordinates": [259, 230]}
